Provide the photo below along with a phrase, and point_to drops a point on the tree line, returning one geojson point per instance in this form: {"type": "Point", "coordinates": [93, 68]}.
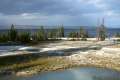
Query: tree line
{"type": "Point", "coordinates": [42, 35]}
{"type": "Point", "coordinates": [25, 37]}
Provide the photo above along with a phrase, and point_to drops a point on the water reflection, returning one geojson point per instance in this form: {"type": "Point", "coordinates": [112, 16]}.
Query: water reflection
{"type": "Point", "coordinates": [72, 74]}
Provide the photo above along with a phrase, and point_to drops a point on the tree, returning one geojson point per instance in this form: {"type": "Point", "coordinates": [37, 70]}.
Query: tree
{"type": "Point", "coordinates": [12, 33]}
{"type": "Point", "coordinates": [24, 37]}
{"type": "Point", "coordinates": [83, 33]}
{"type": "Point", "coordinates": [53, 34]}
{"type": "Point", "coordinates": [73, 35]}
{"type": "Point", "coordinates": [101, 31]}
{"type": "Point", "coordinates": [4, 38]}
{"type": "Point", "coordinates": [117, 34]}
{"type": "Point", "coordinates": [87, 34]}
{"type": "Point", "coordinates": [61, 31]}
{"type": "Point", "coordinates": [50, 34]}
{"type": "Point", "coordinates": [41, 34]}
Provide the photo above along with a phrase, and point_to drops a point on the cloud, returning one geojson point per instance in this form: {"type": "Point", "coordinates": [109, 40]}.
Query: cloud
{"type": "Point", "coordinates": [34, 18]}
{"type": "Point", "coordinates": [50, 6]}
{"type": "Point", "coordinates": [53, 12]}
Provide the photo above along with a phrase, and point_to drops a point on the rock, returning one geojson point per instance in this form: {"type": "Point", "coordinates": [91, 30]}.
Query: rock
{"type": "Point", "coordinates": [25, 73]}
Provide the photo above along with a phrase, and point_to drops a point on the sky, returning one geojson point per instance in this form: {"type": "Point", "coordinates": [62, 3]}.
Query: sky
{"type": "Point", "coordinates": [60, 12]}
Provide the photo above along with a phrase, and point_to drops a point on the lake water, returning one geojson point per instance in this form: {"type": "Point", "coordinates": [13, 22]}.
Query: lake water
{"type": "Point", "coordinates": [85, 73]}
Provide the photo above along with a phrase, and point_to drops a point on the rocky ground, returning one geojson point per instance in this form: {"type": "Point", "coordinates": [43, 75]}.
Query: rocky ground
{"type": "Point", "coordinates": [79, 53]}
{"type": "Point", "coordinates": [91, 53]}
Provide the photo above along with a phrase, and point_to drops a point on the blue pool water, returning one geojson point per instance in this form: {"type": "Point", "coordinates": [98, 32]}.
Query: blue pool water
{"type": "Point", "coordinates": [85, 73]}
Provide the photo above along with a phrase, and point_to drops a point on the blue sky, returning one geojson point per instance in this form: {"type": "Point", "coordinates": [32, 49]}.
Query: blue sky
{"type": "Point", "coordinates": [57, 12]}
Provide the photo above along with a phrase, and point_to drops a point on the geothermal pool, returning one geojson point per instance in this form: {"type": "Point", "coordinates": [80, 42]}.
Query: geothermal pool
{"type": "Point", "coordinates": [84, 73]}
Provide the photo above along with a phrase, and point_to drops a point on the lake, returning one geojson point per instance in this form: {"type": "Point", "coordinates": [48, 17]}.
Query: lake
{"type": "Point", "coordinates": [84, 73]}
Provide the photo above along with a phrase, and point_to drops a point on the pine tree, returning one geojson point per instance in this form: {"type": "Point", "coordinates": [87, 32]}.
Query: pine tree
{"type": "Point", "coordinates": [83, 33]}
{"type": "Point", "coordinates": [73, 34]}
{"type": "Point", "coordinates": [101, 33]}
{"type": "Point", "coordinates": [12, 33]}
{"type": "Point", "coordinates": [117, 34]}
{"type": "Point", "coordinates": [41, 34]}
{"type": "Point", "coordinates": [62, 31]}
{"type": "Point", "coordinates": [24, 37]}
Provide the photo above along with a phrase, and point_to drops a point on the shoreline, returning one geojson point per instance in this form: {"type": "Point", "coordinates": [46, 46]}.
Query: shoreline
{"type": "Point", "coordinates": [48, 42]}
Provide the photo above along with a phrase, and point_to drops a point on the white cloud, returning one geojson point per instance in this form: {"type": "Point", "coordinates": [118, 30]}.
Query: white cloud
{"type": "Point", "coordinates": [99, 4]}
{"type": "Point", "coordinates": [34, 19]}
{"type": "Point", "coordinates": [27, 16]}
{"type": "Point", "coordinates": [53, 12]}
